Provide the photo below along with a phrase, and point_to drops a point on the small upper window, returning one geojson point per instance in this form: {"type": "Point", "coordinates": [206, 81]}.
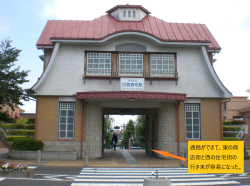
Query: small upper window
{"type": "Point", "coordinates": [124, 13]}
{"type": "Point", "coordinates": [133, 14]}
{"type": "Point", "coordinates": [129, 13]}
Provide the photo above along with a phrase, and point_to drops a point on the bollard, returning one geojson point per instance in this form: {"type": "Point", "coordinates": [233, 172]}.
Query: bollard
{"type": "Point", "coordinates": [182, 155]}
{"type": "Point", "coordinates": [156, 174]}
{"type": "Point", "coordinates": [86, 159]}
{"type": "Point", "coordinates": [38, 157]}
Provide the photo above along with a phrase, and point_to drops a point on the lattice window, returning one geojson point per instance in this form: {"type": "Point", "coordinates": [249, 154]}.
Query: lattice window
{"type": "Point", "coordinates": [66, 120]}
{"type": "Point", "coordinates": [131, 64]}
{"type": "Point", "coordinates": [162, 65]}
{"type": "Point", "coordinates": [192, 121]}
{"type": "Point", "coordinates": [98, 63]}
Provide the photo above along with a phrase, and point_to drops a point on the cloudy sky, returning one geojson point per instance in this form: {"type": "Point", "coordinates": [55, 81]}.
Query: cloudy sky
{"type": "Point", "coordinates": [228, 20]}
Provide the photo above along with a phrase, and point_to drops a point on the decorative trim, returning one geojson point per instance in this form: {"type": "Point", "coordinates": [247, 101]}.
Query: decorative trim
{"type": "Point", "coordinates": [48, 68]}
{"type": "Point", "coordinates": [226, 93]}
{"type": "Point", "coordinates": [136, 95]}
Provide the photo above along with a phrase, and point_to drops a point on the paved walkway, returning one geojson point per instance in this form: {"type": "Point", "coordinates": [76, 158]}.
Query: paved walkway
{"type": "Point", "coordinates": [111, 158]}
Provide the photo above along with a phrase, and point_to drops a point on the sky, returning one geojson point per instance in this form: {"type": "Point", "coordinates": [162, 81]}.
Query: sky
{"type": "Point", "coordinates": [228, 21]}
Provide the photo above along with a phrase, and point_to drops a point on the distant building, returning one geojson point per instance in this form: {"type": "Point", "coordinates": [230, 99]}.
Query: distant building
{"type": "Point", "coordinates": [237, 108]}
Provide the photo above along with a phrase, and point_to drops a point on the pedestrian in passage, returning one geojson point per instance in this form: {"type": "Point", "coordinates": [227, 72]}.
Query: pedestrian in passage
{"type": "Point", "coordinates": [114, 140]}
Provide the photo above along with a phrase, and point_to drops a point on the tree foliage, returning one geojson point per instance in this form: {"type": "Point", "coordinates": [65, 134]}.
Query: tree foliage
{"type": "Point", "coordinates": [141, 130]}
{"type": "Point", "coordinates": [127, 133]}
{"type": "Point", "coordinates": [11, 78]}
{"type": "Point", "coordinates": [107, 136]}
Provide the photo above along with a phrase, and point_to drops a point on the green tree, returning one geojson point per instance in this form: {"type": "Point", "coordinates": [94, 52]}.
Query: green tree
{"type": "Point", "coordinates": [141, 130]}
{"type": "Point", "coordinates": [11, 78]}
{"type": "Point", "coordinates": [130, 129]}
{"type": "Point", "coordinates": [108, 136]}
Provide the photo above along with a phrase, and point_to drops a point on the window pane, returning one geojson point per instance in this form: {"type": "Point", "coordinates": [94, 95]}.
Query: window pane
{"type": "Point", "coordinates": [196, 121]}
{"type": "Point", "coordinates": [189, 128]}
{"type": "Point", "coordinates": [107, 65]}
{"type": "Point", "coordinates": [188, 121]}
{"type": "Point", "coordinates": [129, 13]}
{"type": "Point", "coordinates": [188, 114]}
{"type": "Point", "coordinates": [196, 114]}
{"type": "Point", "coordinates": [70, 127]}
{"type": "Point", "coordinates": [189, 135]}
{"type": "Point", "coordinates": [196, 128]}
{"type": "Point", "coordinates": [122, 62]}
{"type": "Point", "coordinates": [90, 60]}
{"type": "Point", "coordinates": [124, 13]}
{"type": "Point", "coordinates": [69, 134]}
{"type": "Point", "coordinates": [101, 61]}
{"type": "Point", "coordinates": [63, 112]}
{"type": "Point", "coordinates": [70, 120]}
{"type": "Point", "coordinates": [62, 134]}
{"type": "Point", "coordinates": [63, 127]}
{"type": "Point", "coordinates": [62, 119]}
{"type": "Point", "coordinates": [101, 66]}
{"type": "Point", "coordinates": [196, 135]}
{"type": "Point", "coordinates": [133, 14]}
{"type": "Point", "coordinates": [139, 62]}
{"type": "Point", "coordinates": [127, 62]}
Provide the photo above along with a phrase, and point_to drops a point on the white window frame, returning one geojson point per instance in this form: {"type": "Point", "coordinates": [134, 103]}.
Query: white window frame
{"type": "Point", "coordinates": [100, 64]}
{"type": "Point", "coordinates": [135, 65]}
{"type": "Point", "coordinates": [162, 65]}
{"type": "Point", "coordinates": [67, 118]}
{"type": "Point", "coordinates": [192, 121]}
{"type": "Point", "coordinates": [124, 13]}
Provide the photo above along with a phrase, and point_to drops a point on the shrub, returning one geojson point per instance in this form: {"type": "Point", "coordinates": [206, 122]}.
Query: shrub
{"type": "Point", "coordinates": [17, 126]}
{"type": "Point", "coordinates": [234, 122]}
{"type": "Point", "coordinates": [229, 134]}
{"type": "Point", "coordinates": [231, 128]}
{"type": "Point", "coordinates": [31, 121]}
{"type": "Point", "coordinates": [230, 139]}
{"type": "Point", "coordinates": [12, 138]}
{"type": "Point", "coordinates": [27, 144]}
{"type": "Point", "coordinates": [21, 132]}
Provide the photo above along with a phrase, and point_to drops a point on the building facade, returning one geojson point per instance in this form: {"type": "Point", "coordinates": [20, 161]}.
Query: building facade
{"type": "Point", "coordinates": [237, 108]}
{"type": "Point", "coordinates": [127, 62]}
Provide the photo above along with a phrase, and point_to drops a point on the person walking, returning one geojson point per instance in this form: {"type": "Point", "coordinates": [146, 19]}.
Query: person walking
{"type": "Point", "coordinates": [114, 140]}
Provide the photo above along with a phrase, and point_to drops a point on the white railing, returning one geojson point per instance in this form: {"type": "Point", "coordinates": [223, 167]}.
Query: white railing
{"type": "Point", "coordinates": [4, 132]}
{"type": "Point", "coordinates": [241, 132]}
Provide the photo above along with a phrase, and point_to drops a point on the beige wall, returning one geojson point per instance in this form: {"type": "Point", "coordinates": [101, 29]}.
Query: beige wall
{"type": "Point", "coordinates": [47, 119]}
{"type": "Point", "coordinates": [210, 120]}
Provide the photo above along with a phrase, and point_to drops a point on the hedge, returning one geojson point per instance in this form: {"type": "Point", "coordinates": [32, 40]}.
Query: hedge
{"type": "Point", "coordinates": [26, 121]}
{"type": "Point", "coordinates": [230, 139]}
{"type": "Point", "coordinates": [17, 126]}
{"type": "Point", "coordinates": [27, 144]}
{"type": "Point", "coordinates": [21, 132]}
{"type": "Point", "coordinates": [231, 128]}
{"type": "Point", "coordinates": [229, 134]}
{"type": "Point", "coordinates": [234, 122]}
{"type": "Point", "coordinates": [12, 138]}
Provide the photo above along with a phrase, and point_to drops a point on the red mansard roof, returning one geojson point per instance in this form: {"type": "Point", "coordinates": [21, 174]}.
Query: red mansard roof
{"type": "Point", "coordinates": [107, 25]}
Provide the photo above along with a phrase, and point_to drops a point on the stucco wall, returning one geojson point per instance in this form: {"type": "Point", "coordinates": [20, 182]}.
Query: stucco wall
{"type": "Point", "coordinates": [65, 77]}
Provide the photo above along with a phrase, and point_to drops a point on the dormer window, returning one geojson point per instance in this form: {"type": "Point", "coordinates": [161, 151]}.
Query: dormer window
{"type": "Point", "coordinates": [128, 12]}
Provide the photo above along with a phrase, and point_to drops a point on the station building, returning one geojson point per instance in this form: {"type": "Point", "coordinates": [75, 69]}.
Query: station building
{"type": "Point", "coordinates": [127, 62]}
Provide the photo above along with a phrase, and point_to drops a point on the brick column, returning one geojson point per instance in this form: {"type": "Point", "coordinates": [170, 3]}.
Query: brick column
{"type": "Point", "coordinates": [166, 129]}
{"type": "Point", "coordinates": [93, 144]}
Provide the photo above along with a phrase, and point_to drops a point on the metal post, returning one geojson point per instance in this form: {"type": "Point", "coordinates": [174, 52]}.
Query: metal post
{"type": "Point", "coordinates": [156, 174]}
{"type": "Point", "coordinates": [86, 159]}
{"type": "Point", "coordinates": [38, 157]}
